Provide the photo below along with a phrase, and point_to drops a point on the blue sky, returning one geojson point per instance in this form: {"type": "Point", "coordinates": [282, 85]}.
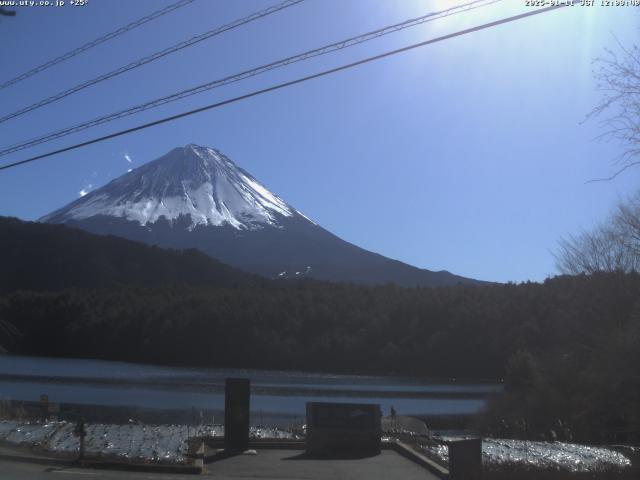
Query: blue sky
{"type": "Point", "coordinates": [469, 155]}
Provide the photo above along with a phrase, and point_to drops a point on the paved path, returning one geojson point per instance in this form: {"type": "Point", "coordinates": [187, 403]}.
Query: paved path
{"type": "Point", "coordinates": [267, 464]}
{"type": "Point", "coordinates": [292, 464]}
{"type": "Point", "coordinates": [10, 470]}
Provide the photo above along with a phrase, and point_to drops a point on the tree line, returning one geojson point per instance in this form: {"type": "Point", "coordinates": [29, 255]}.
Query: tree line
{"type": "Point", "coordinates": [568, 348]}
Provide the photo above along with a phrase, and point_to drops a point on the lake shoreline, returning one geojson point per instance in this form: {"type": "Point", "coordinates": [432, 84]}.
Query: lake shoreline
{"type": "Point", "coordinates": [292, 371]}
{"type": "Point", "coordinates": [87, 383]}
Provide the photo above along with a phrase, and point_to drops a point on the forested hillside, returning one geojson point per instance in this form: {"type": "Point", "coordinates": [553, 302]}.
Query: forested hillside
{"type": "Point", "coordinates": [36, 256]}
{"type": "Point", "coordinates": [465, 331]}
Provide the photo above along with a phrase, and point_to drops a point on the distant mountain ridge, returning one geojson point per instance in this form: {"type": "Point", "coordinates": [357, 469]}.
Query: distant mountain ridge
{"type": "Point", "coordinates": [196, 197]}
{"type": "Point", "coordinates": [42, 257]}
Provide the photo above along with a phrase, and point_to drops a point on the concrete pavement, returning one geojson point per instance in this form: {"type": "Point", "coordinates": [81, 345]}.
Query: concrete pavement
{"type": "Point", "coordinates": [266, 464]}
{"type": "Point", "coordinates": [12, 470]}
{"type": "Point", "coordinates": [293, 464]}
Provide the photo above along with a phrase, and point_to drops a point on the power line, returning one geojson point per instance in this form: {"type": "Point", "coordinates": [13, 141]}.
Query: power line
{"type": "Point", "coordinates": [153, 57]}
{"type": "Point", "coordinates": [97, 41]}
{"type": "Point", "coordinates": [349, 42]}
{"type": "Point", "coordinates": [285, 84]}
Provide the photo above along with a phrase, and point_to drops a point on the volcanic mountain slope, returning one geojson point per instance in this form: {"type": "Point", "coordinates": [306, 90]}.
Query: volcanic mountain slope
{"type": "Point", "coordinates": [196, 197]}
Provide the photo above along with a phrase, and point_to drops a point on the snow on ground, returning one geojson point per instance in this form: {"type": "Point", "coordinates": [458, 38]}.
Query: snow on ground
{"type": "Point", "coordinates": [158, 443]}
{"type": "Point", "coordinates": [168, 444]}
{"type": "Point", "coordinates": [569, 457]}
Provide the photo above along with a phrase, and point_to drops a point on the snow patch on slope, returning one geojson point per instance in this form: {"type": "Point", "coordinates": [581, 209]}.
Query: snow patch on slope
{"type": "Point", "coordinates": [193, 181]}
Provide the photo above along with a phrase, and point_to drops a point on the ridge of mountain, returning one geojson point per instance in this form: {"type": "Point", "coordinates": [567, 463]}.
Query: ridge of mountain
{"type": "Point", "coordinates": [47, 257]}
{"type": "Point", "coordinates": [196, 197]}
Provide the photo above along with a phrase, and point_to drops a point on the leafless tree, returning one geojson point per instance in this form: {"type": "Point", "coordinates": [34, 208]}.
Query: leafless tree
{"type": "Point", "coordinates": [618, 78]}
{"type": "Point", "coordinates": [627, 220]}
{"type": "Point", "coordinates": [614, 245]}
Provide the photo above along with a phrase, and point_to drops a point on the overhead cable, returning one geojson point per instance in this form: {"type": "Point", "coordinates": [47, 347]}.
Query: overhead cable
{"type": "Point", "coordinates": [153, 57]}
{"type": "Point", "coordinates": [96, 42]}
{"type": "Point", "coordinates": [284, 85]}
{"type": "Point", "coordinates": [342, 44]}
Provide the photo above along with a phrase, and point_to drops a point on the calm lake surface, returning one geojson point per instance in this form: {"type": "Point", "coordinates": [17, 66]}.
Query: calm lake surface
{"type": "Point", "coordinates": [95, 382]}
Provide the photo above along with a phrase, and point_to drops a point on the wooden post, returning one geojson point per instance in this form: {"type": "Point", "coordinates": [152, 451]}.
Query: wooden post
{"type": "Point", "coordinates": [236, 414]}
{"type": "Point", "coordinates": [465, 459]}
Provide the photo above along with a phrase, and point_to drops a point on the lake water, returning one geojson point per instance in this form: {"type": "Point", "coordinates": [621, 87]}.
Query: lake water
{"type": "Point", "coordinates": [94, 382]}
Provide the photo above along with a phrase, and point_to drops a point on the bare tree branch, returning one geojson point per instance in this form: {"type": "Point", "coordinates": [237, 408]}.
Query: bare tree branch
{"type": "Point", "coordinates": [606, 179]}
{"type": "Point", "coordinates": [618, 79]}
{"type": "Point", "coordinates": [611, 246]}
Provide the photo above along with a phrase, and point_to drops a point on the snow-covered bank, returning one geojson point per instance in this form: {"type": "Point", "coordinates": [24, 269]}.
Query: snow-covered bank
{"type": "Point", "coordinates": [568, 457]}
{"type": "Point", "coordinates": [155, 443]}
{"type": "Point", "coordinates": [169, 444]}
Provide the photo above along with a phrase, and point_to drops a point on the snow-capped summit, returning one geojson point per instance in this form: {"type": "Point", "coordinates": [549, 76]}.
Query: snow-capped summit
{"type": "Point", "coordinates": [197, 182]}
{"type": "Point", "coordinates": [196, 197]}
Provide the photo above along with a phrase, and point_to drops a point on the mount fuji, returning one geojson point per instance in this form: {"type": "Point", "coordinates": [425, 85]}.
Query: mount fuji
{"type": "Point", "coordinates": [196, 197]}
